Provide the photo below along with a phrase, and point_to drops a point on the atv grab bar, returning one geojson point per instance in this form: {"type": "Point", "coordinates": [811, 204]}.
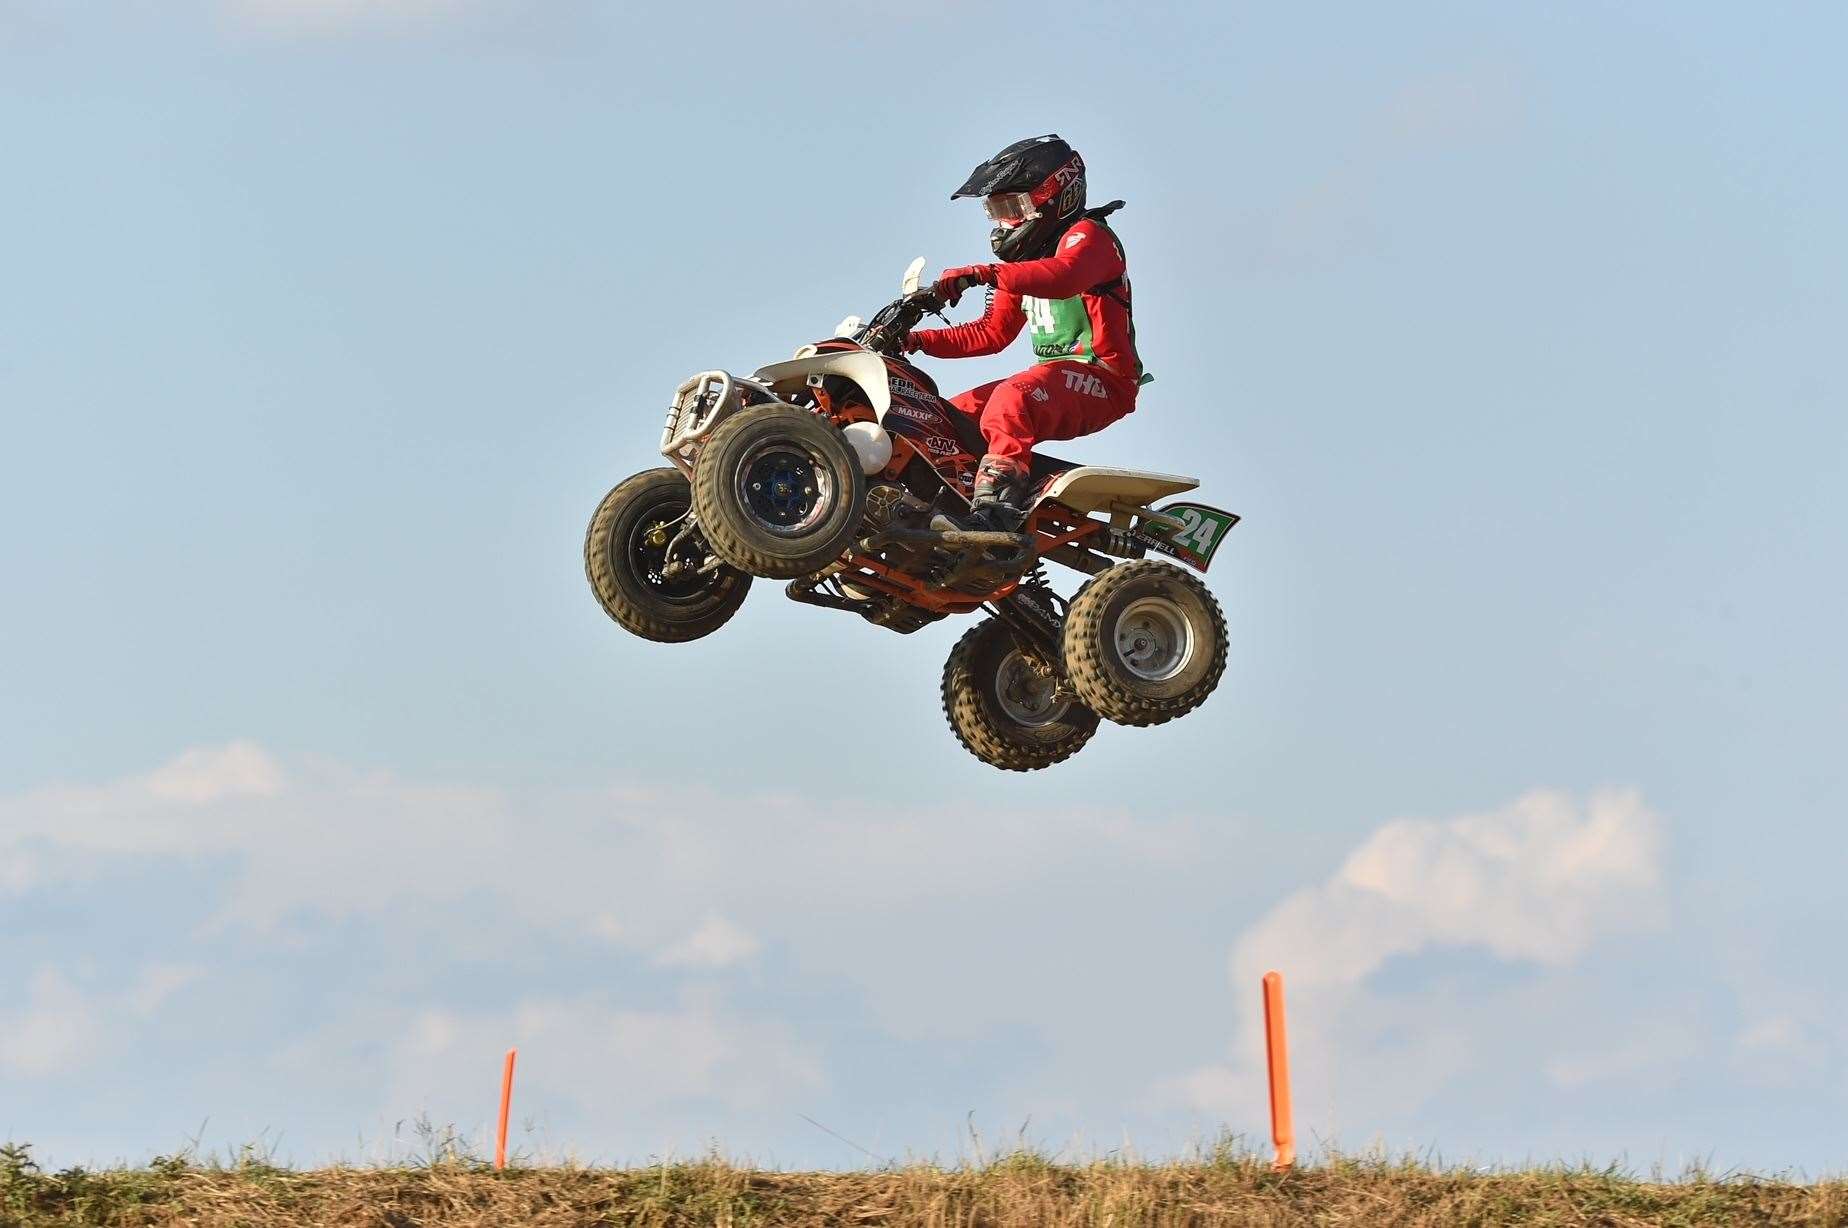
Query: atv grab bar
{"type": "Point", "coordinates": [1118, 508]}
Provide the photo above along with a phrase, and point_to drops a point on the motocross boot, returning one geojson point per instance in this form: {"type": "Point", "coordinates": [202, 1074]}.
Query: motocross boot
{"type": "Point", "coordinates": [1000, 499]}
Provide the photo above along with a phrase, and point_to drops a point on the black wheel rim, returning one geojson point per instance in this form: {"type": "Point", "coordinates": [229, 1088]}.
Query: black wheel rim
{"type": "Point", "coordinates": [649, 546]}
{"type": "Point", "coordinates": [785, 488]}
{"type": "Point", "coordinates": [1025, 697]}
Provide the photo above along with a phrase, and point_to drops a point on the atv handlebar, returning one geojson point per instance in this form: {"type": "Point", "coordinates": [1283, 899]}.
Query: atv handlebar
{"type": "Point", "coordinates": [885, 333]}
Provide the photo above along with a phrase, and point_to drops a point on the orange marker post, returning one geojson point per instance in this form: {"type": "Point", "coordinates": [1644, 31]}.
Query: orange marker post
{"type": "Point", "coordinates": [1276, 1049]}
{"type": "Point", "coordinates": [500, 1137]}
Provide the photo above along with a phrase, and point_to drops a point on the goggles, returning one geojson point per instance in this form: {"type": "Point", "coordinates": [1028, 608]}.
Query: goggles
{"type": "Point", "coordinates": [1010, 208]}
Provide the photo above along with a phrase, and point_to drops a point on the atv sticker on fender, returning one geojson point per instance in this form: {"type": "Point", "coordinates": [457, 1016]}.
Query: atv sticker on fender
{"type": "Point", "coordinates": [1202, 529]}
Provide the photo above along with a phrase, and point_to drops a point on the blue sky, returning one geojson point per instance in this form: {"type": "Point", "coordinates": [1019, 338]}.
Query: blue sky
{"type": "Point", "coordinates": [1515, 336]}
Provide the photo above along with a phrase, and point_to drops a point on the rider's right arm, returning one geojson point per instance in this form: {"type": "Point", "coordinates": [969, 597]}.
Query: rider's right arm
{"type": "Point", "coordinates": [999, 325]}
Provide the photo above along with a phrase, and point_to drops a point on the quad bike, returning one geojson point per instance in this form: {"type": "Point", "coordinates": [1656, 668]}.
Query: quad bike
{"type": "Point", "coordinates": [844, 472]}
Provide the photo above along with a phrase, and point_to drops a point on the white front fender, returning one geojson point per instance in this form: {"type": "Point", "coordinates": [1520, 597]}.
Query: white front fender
{"type": "Point", "coordinates": [863, 367]}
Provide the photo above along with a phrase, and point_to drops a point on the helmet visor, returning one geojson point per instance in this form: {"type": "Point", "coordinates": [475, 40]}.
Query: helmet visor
{"type": "Point", "coordinates": [1010, 208]}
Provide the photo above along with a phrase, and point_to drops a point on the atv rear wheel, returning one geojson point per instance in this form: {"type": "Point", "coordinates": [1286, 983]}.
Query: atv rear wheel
{"type": "Point", "coordinates": [1003, 711]}
{"type": "Point", "coordinates": [1145, 642]}
{"type": "Point", "coordinates": [627, 555]}
{"type": "Point", "coordinates": [778, 492]}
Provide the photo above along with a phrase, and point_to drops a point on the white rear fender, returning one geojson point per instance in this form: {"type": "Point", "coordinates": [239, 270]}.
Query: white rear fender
{"type": "Point", "coordinates": [863, 367]}
{"type": "Point", "coordinates": [1094, 488]}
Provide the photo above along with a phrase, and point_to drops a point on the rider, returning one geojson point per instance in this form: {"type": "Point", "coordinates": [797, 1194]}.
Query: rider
{"type": "Point", "coordinates": [1061, 273]}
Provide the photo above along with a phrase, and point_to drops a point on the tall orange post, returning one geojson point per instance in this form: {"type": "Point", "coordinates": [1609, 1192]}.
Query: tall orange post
{"type": "Point", "coordinates": [500, 1136]}
{"type": "Point", "coordinates": [1276, 1049]}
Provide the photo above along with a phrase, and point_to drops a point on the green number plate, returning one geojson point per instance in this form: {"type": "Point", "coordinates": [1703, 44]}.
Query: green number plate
{"type": "Point", "coordinates": [1202, 529]}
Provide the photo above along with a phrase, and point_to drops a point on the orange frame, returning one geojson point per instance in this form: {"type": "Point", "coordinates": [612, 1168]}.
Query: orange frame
{"type": "Point", "coordinates": [1053, 524]}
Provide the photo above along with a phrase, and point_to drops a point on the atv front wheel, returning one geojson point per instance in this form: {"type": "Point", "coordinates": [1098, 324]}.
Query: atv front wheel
{"type": "Point", "coordinates": [1003, 710]}
{"type": "Point", "coordinates": [645, 574]}
{"type": "Point", "coordinates": [1144, 643]}
{"type": "Point", "coordinates": [778, 492]}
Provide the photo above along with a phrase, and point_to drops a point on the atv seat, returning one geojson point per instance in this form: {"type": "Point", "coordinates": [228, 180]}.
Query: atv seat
{"type": "Point", "coordinates": [1094, 488]}
{"type": "Point", "coordinates": [1045, 468]}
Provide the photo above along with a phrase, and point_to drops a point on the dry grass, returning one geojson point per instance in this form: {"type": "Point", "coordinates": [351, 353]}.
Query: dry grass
{"type": "Point", "coordinates": [1225, 1188]}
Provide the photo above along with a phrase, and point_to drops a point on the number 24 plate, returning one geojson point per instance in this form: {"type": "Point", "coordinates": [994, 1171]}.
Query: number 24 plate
{"type": "Point", "coordinates": [1202, 529]}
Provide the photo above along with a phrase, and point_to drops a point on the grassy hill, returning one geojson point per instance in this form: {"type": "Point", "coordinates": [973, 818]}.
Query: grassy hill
{"type": "Point", "coordinates": [1022, 1189]}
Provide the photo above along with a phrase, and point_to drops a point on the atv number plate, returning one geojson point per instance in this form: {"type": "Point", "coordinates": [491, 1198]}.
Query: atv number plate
{"type": "Point", "coordinates": [1202, 529]}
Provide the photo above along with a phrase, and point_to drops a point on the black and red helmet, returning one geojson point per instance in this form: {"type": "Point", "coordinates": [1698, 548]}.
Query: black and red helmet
{"type": "Point", "coordinates": [1034, 191]}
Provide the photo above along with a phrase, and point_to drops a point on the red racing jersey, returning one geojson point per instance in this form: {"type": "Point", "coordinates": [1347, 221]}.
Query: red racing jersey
{"type": "Point", "coordinates": [1076, 300]}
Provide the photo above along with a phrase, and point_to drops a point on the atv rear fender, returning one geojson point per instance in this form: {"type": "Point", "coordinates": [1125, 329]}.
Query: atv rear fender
{"type": "Point", "coordinates": [1123, 493]}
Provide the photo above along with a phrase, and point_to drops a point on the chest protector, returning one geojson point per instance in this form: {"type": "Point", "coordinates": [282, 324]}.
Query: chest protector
{"type": "Point", "coordinates": [1061, 329]}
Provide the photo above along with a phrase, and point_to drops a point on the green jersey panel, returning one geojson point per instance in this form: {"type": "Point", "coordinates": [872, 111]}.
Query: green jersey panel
{"type": "Point", "coordinates": [1062, 330]}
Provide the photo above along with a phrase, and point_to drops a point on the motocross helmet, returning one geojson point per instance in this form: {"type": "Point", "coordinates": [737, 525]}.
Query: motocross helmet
{"type": "Point", "coordinates": [1033, 190]}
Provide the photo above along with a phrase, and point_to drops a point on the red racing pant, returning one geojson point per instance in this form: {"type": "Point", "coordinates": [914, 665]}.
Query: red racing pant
{"type": "Point", "coordinates": [1049, 400]}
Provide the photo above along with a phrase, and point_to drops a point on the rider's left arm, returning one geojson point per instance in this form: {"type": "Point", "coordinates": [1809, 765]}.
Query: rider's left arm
{"type": "Point", "coordinates": [1085, 258]}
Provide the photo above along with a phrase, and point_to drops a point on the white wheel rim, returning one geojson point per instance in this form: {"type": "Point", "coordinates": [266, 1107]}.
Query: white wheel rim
{"type": "Point", "coordinates": [1154, 639]}
{"type": "Point", "coordinates": [1025, 697]}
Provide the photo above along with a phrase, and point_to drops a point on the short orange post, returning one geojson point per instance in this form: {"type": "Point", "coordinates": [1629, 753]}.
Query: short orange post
{"type": "Point", "coordinates": [500, 1137]}
{"type": "Point", "coordinates": [1276, 1049]}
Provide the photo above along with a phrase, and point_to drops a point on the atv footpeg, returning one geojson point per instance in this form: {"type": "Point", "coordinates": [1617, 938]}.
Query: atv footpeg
{"type": "Point", "coordinates": [953, 538]}
{"type": "Point", "coordinates": [807, 590]}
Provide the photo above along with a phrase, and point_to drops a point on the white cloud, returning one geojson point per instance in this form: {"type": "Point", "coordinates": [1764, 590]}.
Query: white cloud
{"type": "Point", "coordinates": [57, 1029]}
{"type": "Point", "coordinates": [582, 1057]}
{"type": "Point", "coordinates": [158, 982]}
{"type": "Point", "coordinates": [1539, 882]}
{"type": "Point", "coordinates": [240, 769]}
{"type": "Point", "coordinates": [1787, 1043]}
{"type": "Point", "coordinates": [1774, 1034]}
{"type": "Point", "coordinates": [63, 1026]}
{"type": "Point", "coordinates": [995, 914]}
{"type": "Point", "coordinates": [715, 943]}
{"type": "Point", "coordinates": [691, 878]}
{"type": "Point", "coordinates": [604, 925]}
{"type": "Point", "coordinates": [19, 870]}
